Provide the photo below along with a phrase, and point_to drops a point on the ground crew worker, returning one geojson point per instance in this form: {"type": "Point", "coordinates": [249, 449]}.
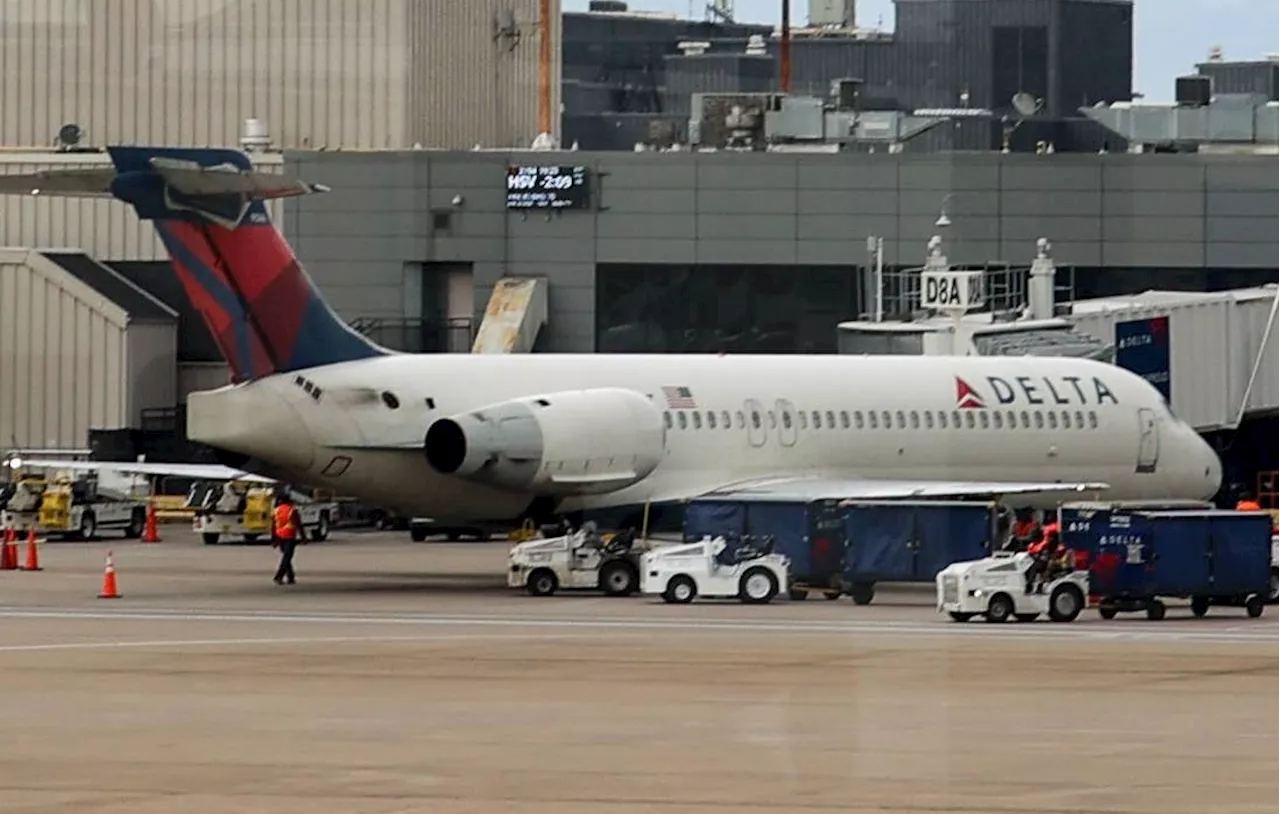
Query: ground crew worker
{"type": "Point", "coordinates": [1062, 559]}
{"type": "Point", "coordinates": [1036, 550]}
{"type": "Point", "coordinates": [286, 531]}
{"type": "Point", "coordinates": [1246, 503]}
{"type": "Point", "coordinates": [1024, 527]}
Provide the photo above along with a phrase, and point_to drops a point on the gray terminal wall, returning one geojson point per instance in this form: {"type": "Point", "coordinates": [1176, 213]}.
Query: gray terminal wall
{"type": "Point", "coordinates": [391, 214]}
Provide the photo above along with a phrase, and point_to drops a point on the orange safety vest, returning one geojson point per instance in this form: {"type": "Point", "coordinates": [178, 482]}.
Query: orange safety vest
{"type": "Point", "coordinates": [284, 527]}
{"type": "Point", "coordinates": [1248, 506]}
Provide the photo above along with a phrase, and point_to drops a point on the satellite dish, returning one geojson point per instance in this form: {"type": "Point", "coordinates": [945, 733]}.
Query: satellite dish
{"type": "Point", "coordinates": [69, 135]}
{"type": "Point", "coordinates": [1026, 104]}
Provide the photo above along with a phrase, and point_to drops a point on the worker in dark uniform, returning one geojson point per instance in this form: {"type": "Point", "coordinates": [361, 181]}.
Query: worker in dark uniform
{"type": "Point", "coordinates": [1246, 503]}
{"type": "Point", "coordinates": [286, 532]}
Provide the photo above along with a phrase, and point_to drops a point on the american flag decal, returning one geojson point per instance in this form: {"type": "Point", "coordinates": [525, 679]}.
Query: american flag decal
{"type": "Point", "coordinates": [679, 398]}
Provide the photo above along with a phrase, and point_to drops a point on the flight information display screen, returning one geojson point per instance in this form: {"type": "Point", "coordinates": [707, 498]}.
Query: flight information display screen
{"type": "Point", "coordinates": [534, 187]}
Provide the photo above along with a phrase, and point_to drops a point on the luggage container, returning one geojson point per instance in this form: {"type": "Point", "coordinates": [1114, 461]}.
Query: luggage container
{"type": "Point", "coordinates": [809, 532]}
{"type": "Point", "coordinates": [838, 546]}
{"type": "Point", "coordinates": [911, 541]}
{"type": "Point", "coordinates": [1136, 557]}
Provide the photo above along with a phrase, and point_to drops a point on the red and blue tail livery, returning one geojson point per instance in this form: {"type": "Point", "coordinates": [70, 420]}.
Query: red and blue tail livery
{"type": "Point", "coordinates": [261, 307]}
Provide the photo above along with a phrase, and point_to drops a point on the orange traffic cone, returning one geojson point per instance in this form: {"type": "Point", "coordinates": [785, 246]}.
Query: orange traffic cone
{"type": "Point", "coordinates": [109, 589]}
{"type": "Point", "coordinates": [9, 551]}
{"type": "Point", "coordinates": [33, 553]}
{"type": "Point", "coordinates": [152, 534]}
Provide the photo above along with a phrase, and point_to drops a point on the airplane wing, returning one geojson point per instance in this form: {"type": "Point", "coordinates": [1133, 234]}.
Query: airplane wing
{"type": "Point", "coordinates": [200, 471]}
{"type": "Point", "coordinates": [871, 489]}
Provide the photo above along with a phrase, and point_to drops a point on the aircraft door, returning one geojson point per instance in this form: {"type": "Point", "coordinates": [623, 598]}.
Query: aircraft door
{"type": "Point", "coordinates": [787, 431]}
{"type": "Point", "coordinates": [757, 428]}
{"type": "Point", "coordinates": [1148, 442]}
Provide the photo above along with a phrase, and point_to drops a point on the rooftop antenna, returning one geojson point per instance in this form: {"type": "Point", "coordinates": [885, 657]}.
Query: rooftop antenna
{"type": "Point", "coordinates": [1025, 106]}
{"type": "Point", "coordinates": [722, 9]}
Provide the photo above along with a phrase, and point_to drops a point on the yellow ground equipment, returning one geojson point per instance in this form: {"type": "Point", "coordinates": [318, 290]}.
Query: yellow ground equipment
{"type": "Point", "coordinates": [71, 506]}
{"type": "Point", "coordinates": [55, 506]}
{"type": "Point", "coordinates": [259, 503]}
{"type": "Point", "coordinates": [236, 508]}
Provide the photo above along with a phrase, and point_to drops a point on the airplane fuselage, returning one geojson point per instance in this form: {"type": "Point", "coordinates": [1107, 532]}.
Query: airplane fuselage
{"type": "Point", "coordinates": [359, 427]}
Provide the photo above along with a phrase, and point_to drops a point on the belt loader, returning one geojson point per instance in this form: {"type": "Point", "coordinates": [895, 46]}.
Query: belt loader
{"type": "Point", "coordinates": [69, 506]}
{"type": "Point", "coordinates": [235, 508]}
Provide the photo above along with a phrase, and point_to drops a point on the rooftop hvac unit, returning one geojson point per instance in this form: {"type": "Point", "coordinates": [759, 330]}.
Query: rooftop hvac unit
{"type": "Point", "coordinates": [1193, 91]}
{"type": "Point", "coordinates": [693, 49]}
{"type": "Point", "coordinates": [607, 5]}
{"type": "Point", "coordinates": [846, 92]}
{"type": "Point", "coordinates": [255, 135]}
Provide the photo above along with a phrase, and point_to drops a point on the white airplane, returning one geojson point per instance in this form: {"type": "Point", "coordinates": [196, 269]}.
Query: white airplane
{"type": "Point", "coordinates": [464, 437]}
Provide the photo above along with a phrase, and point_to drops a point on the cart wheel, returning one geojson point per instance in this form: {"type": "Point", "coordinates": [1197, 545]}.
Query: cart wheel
{"type": "Point", "coordinates": [1000, 608]}
{"type": "Point", "coordinates": [137, 524]}
{"type": "Point", "coordinates": [211, 537]}
{"type": "Point", "coordinates": [321, 532]}
{"type": "Point", "coordinates": [758, 586]}
{"type": "Point", "coordinates": [618, 578]}
{"type": "Point", "coordinates": [862, 593]}
{"type": "Point", "coordinates": [829, 595]}
{"type": "Point", "coordinates": [680, 590]}
{"type": "Point", "coordinates": [1107, 611]}
{"type": "Point", "coordinates": [1026, 617]}
{"type": "Point", "coordinates": [1199, 606]}
{"type": "Point", "coordinates": [1065, 603]}
{"type": "Point", "coordinates": [542, 583]}
{"type": "Point", "coordinates": [1253, 606]}
{"type": "Point", "coordinates": [797, 594]}
{"type": "Point", "coordinates": [957, 616]}
{"type": "Point", "coordinates": [1155, 610]}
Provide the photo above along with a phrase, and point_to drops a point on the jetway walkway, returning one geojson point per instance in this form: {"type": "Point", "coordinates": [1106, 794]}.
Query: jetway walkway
{"type": "Point", "coordinates": [1214, 355]}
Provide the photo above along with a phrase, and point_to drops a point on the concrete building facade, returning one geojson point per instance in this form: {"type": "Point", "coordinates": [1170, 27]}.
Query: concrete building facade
{"type": "Point", "coordinates": [710, 251]}
{"type": "Point", "coordinates": [352, 74]}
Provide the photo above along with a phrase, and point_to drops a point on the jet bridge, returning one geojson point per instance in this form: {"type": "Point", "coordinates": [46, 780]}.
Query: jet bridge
{"type": "Point", "coordinates": [1213, 355]}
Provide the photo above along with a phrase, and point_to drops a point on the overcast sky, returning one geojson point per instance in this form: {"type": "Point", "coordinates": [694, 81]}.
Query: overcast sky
{"type": "Point", "coordinates": [1171, 36]}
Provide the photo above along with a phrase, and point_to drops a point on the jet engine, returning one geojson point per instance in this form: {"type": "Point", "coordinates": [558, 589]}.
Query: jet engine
{"type": "Point", "coordinates": [568, 443]}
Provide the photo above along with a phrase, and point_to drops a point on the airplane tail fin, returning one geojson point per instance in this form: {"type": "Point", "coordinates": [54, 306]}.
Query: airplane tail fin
{"type": "Point", "coordinates": [262, 308]}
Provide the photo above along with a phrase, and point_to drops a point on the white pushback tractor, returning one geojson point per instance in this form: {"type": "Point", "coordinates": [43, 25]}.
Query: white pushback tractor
{"type": "Point", "coordinates": [1008, 585]}
{"type": "Point", "coordinates": [582, 559]}
{"type": "Point", "coordinates": [71, 506]}
{"type": "Point", "coordinates": [237, 508]}
{"type": "Point", "coordinates": [750, 571]}
{"type": "Point", "coordinates": [1273, 594]}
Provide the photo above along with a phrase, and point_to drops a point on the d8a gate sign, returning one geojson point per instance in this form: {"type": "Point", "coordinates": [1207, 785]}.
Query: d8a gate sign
{"type": "Point", "coordinates": [951, 290]}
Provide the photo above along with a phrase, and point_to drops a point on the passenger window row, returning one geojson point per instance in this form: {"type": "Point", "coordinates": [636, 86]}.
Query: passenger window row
{"type": "Point", "coordinates": [886, 419]}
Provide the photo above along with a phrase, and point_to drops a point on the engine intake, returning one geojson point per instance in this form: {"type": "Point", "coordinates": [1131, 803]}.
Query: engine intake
{"type": "Point", "coordinates": [571, 442]}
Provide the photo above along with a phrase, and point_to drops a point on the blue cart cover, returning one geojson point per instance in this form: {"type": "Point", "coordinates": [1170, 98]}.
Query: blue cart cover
{"type": "Point", "coordinates": [913, 542]}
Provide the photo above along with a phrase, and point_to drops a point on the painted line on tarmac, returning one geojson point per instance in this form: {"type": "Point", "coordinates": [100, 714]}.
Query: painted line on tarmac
{"type": "Point", "coordinates": [273, 640]}
{"type": "Point", "coordinates": [1037, 631]}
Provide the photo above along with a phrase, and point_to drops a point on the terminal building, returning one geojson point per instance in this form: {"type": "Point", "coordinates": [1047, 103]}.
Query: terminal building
{"type": "Point", "coordinates": [707, 250]}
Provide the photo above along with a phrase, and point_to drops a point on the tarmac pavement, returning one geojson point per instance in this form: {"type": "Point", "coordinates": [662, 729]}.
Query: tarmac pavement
{"type": "Point", "coordinates": [402, 677]}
